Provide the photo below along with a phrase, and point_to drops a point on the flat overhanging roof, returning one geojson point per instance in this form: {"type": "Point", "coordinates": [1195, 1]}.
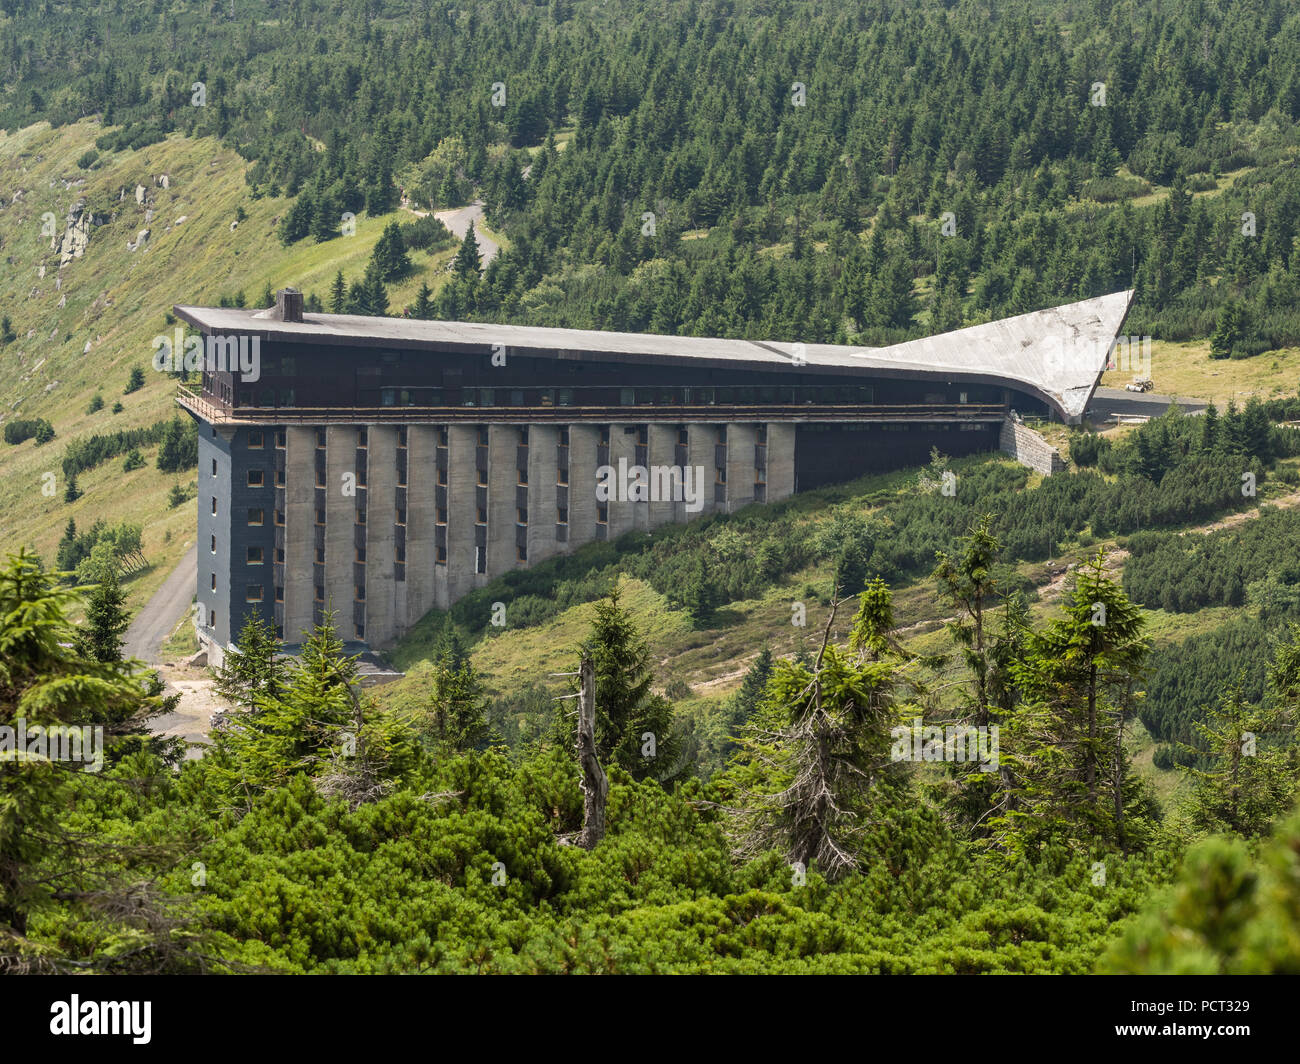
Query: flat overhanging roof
{"type": "Point", "coordinates": [1056, 354]}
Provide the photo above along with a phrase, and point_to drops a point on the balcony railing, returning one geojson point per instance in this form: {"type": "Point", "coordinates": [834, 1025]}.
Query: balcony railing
{"type": "Point", "coordinates": [359, 415]}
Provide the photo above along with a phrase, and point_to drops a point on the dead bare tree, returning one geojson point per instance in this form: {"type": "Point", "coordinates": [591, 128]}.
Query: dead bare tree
{"type": "Point", "coordinates": [594, 784]}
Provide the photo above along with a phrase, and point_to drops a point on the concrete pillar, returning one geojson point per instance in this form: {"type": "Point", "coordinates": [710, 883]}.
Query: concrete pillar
{"type": "Point", "coordinates": [461, 480]}
{"type": "Point", "coordinates": [662, 440]}
{"type": "Point", "coordinates": [780, 460]}
{"type": "Point", "coordinates": [503, 479]}
{"type": "Point", "coordinates": [381, 517]}
{"type": "Point", "coordinates": [340, 524]}
{"type": "Point", "coordinates": [542, 443]}
{"type": "Point", "coordinates": [299, 530]}
{"type": "Point", "coordinates": [622, 456]}
{"type": "Point", "coordinates": [740, 465]}
{"type": "Point", "coordinates": [701, 451]}
{"type": "Point", "coordinates": [421, 514]}
{"type": "Point", "coordinates": [583, 440]}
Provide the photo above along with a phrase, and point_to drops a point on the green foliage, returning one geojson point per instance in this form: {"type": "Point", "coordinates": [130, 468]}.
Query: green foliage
{"type": "Point", "coordinates": [20, 430]}
{"type": "Point", "coordinates": [1228, 913]}
{"type": "Point", "coordinates": [135, 381]}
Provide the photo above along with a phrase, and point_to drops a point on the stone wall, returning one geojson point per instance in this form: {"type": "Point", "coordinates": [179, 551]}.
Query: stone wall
{"type": "Point", "coordinates": [1029, 448]}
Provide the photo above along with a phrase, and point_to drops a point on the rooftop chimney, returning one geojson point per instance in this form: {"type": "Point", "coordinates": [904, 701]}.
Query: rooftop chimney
{"type": "Point", "coordinates": [288, 305]}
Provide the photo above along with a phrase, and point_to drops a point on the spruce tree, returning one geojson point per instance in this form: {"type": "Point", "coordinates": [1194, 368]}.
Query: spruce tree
{"type": "Point", "coordinates": [107, 619]}
{"type": "Point", "coordinates": [630, 718]}
{"type": "Point", "coordinates": [467, 262]}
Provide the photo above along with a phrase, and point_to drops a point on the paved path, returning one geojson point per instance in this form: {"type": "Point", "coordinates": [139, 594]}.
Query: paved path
{"type": "Point", "coordinates": [163, 612]}
{"type": "Point", "coordinates": [1108, 401]}
{"type": "Point", "coordinates": [458, 219]}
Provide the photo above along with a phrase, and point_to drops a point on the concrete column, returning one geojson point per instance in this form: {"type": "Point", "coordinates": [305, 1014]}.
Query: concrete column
{"type": "Point", "coordinates": [780, 460]}
{"type": "Point", "coordinates": [583, 440]}
{"type": "Point", "coordinates": [622, 456]}
{"type": "Point", "coordinates": [740, 465]}
{"type": "Point", "coordinates": [299, 530]}
{"type": "Point", "coordinates": [503, 479]}
{"type": "Point", "coordinates": [701, 450]}
{"type": "Point", "coordinates": [421, 512]}
{"type": "Point", "coordinates": [461, 479]}
{"type": "Point", "coordinates": [381, 516]}
{"type": "Point", "coordinates": [662, 440]}
{"type": "Point", "coordinates": [340, 522]}
{"type": "Point", "coordinates": [542, 443]}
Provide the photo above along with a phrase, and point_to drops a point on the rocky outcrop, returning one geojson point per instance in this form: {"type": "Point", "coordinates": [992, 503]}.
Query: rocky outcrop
{"type": "Point", "coordinates": [76, 232]}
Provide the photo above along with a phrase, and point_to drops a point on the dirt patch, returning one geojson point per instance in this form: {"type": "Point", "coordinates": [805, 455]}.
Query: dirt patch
{"type": "Point", "coordinates": [192, 720]}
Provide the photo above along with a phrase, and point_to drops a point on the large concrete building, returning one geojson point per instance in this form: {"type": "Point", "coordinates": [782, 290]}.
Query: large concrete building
{"type": "Point", "coordinates": [381, 467]}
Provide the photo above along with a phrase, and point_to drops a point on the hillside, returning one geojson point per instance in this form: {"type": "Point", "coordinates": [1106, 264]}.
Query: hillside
{"type": "Point", "coordinates": [83, 327]}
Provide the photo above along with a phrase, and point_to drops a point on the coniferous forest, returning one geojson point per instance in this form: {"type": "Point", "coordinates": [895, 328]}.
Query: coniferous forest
{"type": "Point", "coordinates": [1127, 631]}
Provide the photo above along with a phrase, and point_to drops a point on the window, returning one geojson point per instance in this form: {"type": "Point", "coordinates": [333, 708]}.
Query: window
{"type": "Point", "coordinates": [361, 555]}
{"type": "Point", "coordinates": [320, 438]}
{"type": "Point", "coordinates": [523, 478]}
{"type": "Point", "coordinates": [214, 544]}
{"type": "Point", "coordinates": [564, 437]}
{"type": "Point", "coordinates": [320, 555]}
{"type": "Point", "coordinates": [255, 516]}
{"type": "Point", "coordinates": [320, 516]}
{"type": "Point", "coordinates": [362, 438]}
{"type": "Point", "coordinates": [562, 476]}
{"type": "Point", "coordinates": [320, 593]}
{"type": "Point", "coordinates": [562, 515]}
{"type": "Point", "coordinates": [214, 506]}
{"type": "Point", "coordinates": [279, 518]}
{"type": "Point", "coordinates": [400, 554]}
{"type": "Point", "coordinates": [214, 467]}
{"type": "Point", "coordinates": [521, 554]}
{"type": "Point", "coordinates": [254, 555]}
{"type": "Point", "coordinates": [212, 619]}
{"type": "Point", "coordinates": [256, 478]}
{"type": "Point", "coordinates": [401, 516]}
{"type": "Point", "coordinates": [361, 517]}
{"type": "Point", "coordinates": [359, 591]}
{"type": "Point", "coordinates": [279, 593]}
{"type": "Point", "coordinates": [279, 555]}
{"type": "Point", "coordinates": [279, 478]}
{"type": "Point", "coordinates": [521, 516]}
{"type": "Point", "coordinates": [401, 437]}
{"type": "Point", "coordinates": [360, 630]}
{"type": "Point", "coordinates": [602, 513]}
{"type": "Point", "coordinates": [254, 438]}
{"type": "Point", "coordinates": [279, 437]}
{"type": "Point", "coordinates": [254, 593]}
{"type": "Point", "coordinates": [442, 478]}
{"type": "Point", "coordinates": [320, 478]}
{"type": "Point", "coordinates": [481, 517]}
{"type": "Point", "coordinates": [213, 585]}
{"type": "Point", "coordinates": [442, 555]}
{"type": "Point", "coordinates": [441, 516]}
